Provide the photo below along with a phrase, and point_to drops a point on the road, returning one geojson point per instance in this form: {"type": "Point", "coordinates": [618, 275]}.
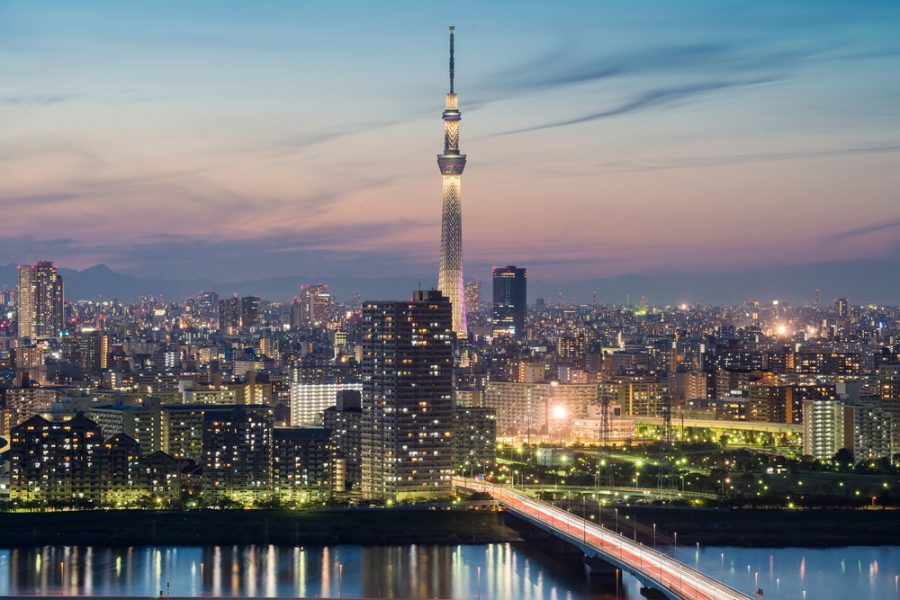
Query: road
{"type": "Point", "coordinates": [654, 568]}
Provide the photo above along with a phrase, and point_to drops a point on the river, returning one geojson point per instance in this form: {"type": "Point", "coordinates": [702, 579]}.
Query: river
{"type": "Point", "coordinates": [422, 571]}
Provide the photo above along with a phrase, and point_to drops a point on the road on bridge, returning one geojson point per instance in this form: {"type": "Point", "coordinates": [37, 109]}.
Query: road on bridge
{"type": "Point", "coordinates": [654, 569]}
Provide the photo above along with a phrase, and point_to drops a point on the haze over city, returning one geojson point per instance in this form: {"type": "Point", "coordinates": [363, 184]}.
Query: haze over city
{"type": "Point", "coordinates": [233, 142]}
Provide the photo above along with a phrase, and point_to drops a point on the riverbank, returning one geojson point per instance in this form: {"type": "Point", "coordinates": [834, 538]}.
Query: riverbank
{"type": "Point", "coordinates": [720, 527]}
{"type": "Point", "coordinates": [761, 528]}
{"type": "Point", "coordinates": [212, 527]}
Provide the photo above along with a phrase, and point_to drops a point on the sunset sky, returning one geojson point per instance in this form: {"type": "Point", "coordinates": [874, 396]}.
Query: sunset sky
{"type": "Point", "coordinates": [250, 139]}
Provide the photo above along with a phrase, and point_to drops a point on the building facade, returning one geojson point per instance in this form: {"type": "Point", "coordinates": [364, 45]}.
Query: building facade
{"type": "Point", "coordinates": [407, 401]}
{"type": "Point", "coordinates": [56, 462]}
{"type": "Point", "coordinates": [302, 468]}
{"type": "Point", "coordinates": [510, 301]}
{"type": "Point", "coordinates": [309, 400]}
{"type": "Point", "coordinates": [237, 455]}
{"type": "Point", "coordinates": [525, 409]}
{"type": "Point", "coordinates": [344, 421]}
{"type": "Point", "coordinates": [41, 312]}
{"type": "Point", "coordinates": [474, 438]}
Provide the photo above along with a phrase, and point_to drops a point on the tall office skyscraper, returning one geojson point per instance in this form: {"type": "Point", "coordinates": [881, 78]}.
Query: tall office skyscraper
{"type": "Point", "coordinates": [510, 299]}
{"type": "Point", "coordinates": [237, 314]}
{"type": "Point", "coordinates": [407, 401]}
{"type": "Point", "coordinates": [249, 311]}
{"type": "Point", "coordinates": [41, 304]}
{"type": "Point", "coordinates": [452, 163]}
{"type": "Point", "coordinates": [315, 304]}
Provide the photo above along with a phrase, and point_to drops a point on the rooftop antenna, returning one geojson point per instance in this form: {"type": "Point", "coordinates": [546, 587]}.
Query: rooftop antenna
{"type": "Point", "coordinates": [452, 30]}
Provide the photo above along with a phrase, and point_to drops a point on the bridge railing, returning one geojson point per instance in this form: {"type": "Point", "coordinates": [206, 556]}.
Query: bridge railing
{"type": "Point", "coordinates": [666, 572]}
{"type": "Point", "coordinates": [620, 490]}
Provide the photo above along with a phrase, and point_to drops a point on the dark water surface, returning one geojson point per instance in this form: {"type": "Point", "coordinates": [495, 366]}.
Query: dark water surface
{"type": "Point", "coordinates": [422, 571]}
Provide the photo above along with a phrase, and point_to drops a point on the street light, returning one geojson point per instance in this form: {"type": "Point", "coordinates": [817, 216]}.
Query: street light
{"type": "Point", "coordinates": [654, 536]}
{"type": "Point", "coordinates": [584, 519]}
{"type": "Point", "coordinates": [641, 553]}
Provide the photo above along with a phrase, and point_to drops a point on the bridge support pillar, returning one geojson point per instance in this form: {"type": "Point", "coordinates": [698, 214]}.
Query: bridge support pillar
{"type": "Point", "coordinates": [603, 575]}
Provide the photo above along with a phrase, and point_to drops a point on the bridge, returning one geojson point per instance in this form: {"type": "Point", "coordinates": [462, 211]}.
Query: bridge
{"type": "Point", "coordinates": [624, 491]}
{"type": "Point", "coordinates": [655, 570]}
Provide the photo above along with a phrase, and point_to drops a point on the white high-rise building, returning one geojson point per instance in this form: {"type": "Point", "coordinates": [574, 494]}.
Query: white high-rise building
{"type": "Point", "coordinates": [309, 400]}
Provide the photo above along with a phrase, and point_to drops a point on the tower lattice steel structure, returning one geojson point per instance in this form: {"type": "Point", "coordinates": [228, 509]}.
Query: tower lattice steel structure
{"type": "Point", "coordinates": [452, 163]}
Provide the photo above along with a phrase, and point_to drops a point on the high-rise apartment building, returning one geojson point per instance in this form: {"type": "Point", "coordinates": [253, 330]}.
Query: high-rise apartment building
{"type": "Point", "coordinates": [474, 438]}
{"type": "Point", "coordinates": [120, 470]}
{"type": "Point", "coordinates": [56, 461]}
{"type": "Point", "coordinates": [141, 422]}
{"type": "Point", "coordinates": [508, 313]}
{"type": "Point", "coordinates": [823, 428]}
{"type": "Point", "coordinates": [301, 464]}
{"type": "Point", "coordinates": [41, 305]}
{"type": "Point", "coordinates": [25, 402]}
{"type": "Point", "coordinates": [407, 398]}
{"type": "Point", "coordinates": [889, 389]}
{"type": "Point", "coordinates": [870, 427]}
{"type": "Point", "coordinates": [237, 454]}
{"type": "Point", "coordinates": [863, 428]}
{"type": "Point", "coordinates": [344, 421]}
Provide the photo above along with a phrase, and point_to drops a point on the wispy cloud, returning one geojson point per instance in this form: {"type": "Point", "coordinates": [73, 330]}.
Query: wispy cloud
{"type": "Point", "coordinates": [566, 66]}
{"type": "Point", "coordinates": [694, 162]}
{"type": "Point", "coordinates": [643, 101]}
{"type": "Point", "coordinates": [36, 99]}
{"type": "Point", "coordinates": [863, 231]}
{"type": "Point", "coordinates": [16, 202]}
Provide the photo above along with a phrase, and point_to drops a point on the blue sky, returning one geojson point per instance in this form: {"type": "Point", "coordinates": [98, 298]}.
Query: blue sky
{"type": "Point", "coordinates": [244, 139]}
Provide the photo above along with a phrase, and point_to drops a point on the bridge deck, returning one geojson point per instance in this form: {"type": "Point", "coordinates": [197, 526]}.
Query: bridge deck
{"type": "Point", "coordinates": [654, 569]}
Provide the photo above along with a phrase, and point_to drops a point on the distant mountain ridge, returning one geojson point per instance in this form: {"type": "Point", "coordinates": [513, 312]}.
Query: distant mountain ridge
{"type": "Point", "coordinates": [861, 281]}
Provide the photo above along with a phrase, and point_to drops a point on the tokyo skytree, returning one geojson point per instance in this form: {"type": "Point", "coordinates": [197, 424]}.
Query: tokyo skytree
{"type": "Point", "coordinates": [452, 163]}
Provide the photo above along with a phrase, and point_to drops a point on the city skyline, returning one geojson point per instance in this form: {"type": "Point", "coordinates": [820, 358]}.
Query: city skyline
{"type": "Point", "coordinates": [626, 148]}
{"type": "Point", "coordinates": [238, 340]}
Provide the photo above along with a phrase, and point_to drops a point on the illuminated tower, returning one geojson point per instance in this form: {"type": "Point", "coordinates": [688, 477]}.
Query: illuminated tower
{"type": "Point", "coordinates": [452, 163]}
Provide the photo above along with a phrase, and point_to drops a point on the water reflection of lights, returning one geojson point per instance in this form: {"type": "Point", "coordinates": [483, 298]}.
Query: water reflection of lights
{"type": "Point", "coordinates": [507, 571]}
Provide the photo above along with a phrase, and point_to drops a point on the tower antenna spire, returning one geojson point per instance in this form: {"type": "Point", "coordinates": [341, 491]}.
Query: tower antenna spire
{"type": "Point", "coordinates": [452, 30]}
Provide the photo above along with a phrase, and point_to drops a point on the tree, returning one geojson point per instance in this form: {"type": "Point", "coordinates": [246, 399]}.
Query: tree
{"type": "Point", "coordinates": [843, 457]}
